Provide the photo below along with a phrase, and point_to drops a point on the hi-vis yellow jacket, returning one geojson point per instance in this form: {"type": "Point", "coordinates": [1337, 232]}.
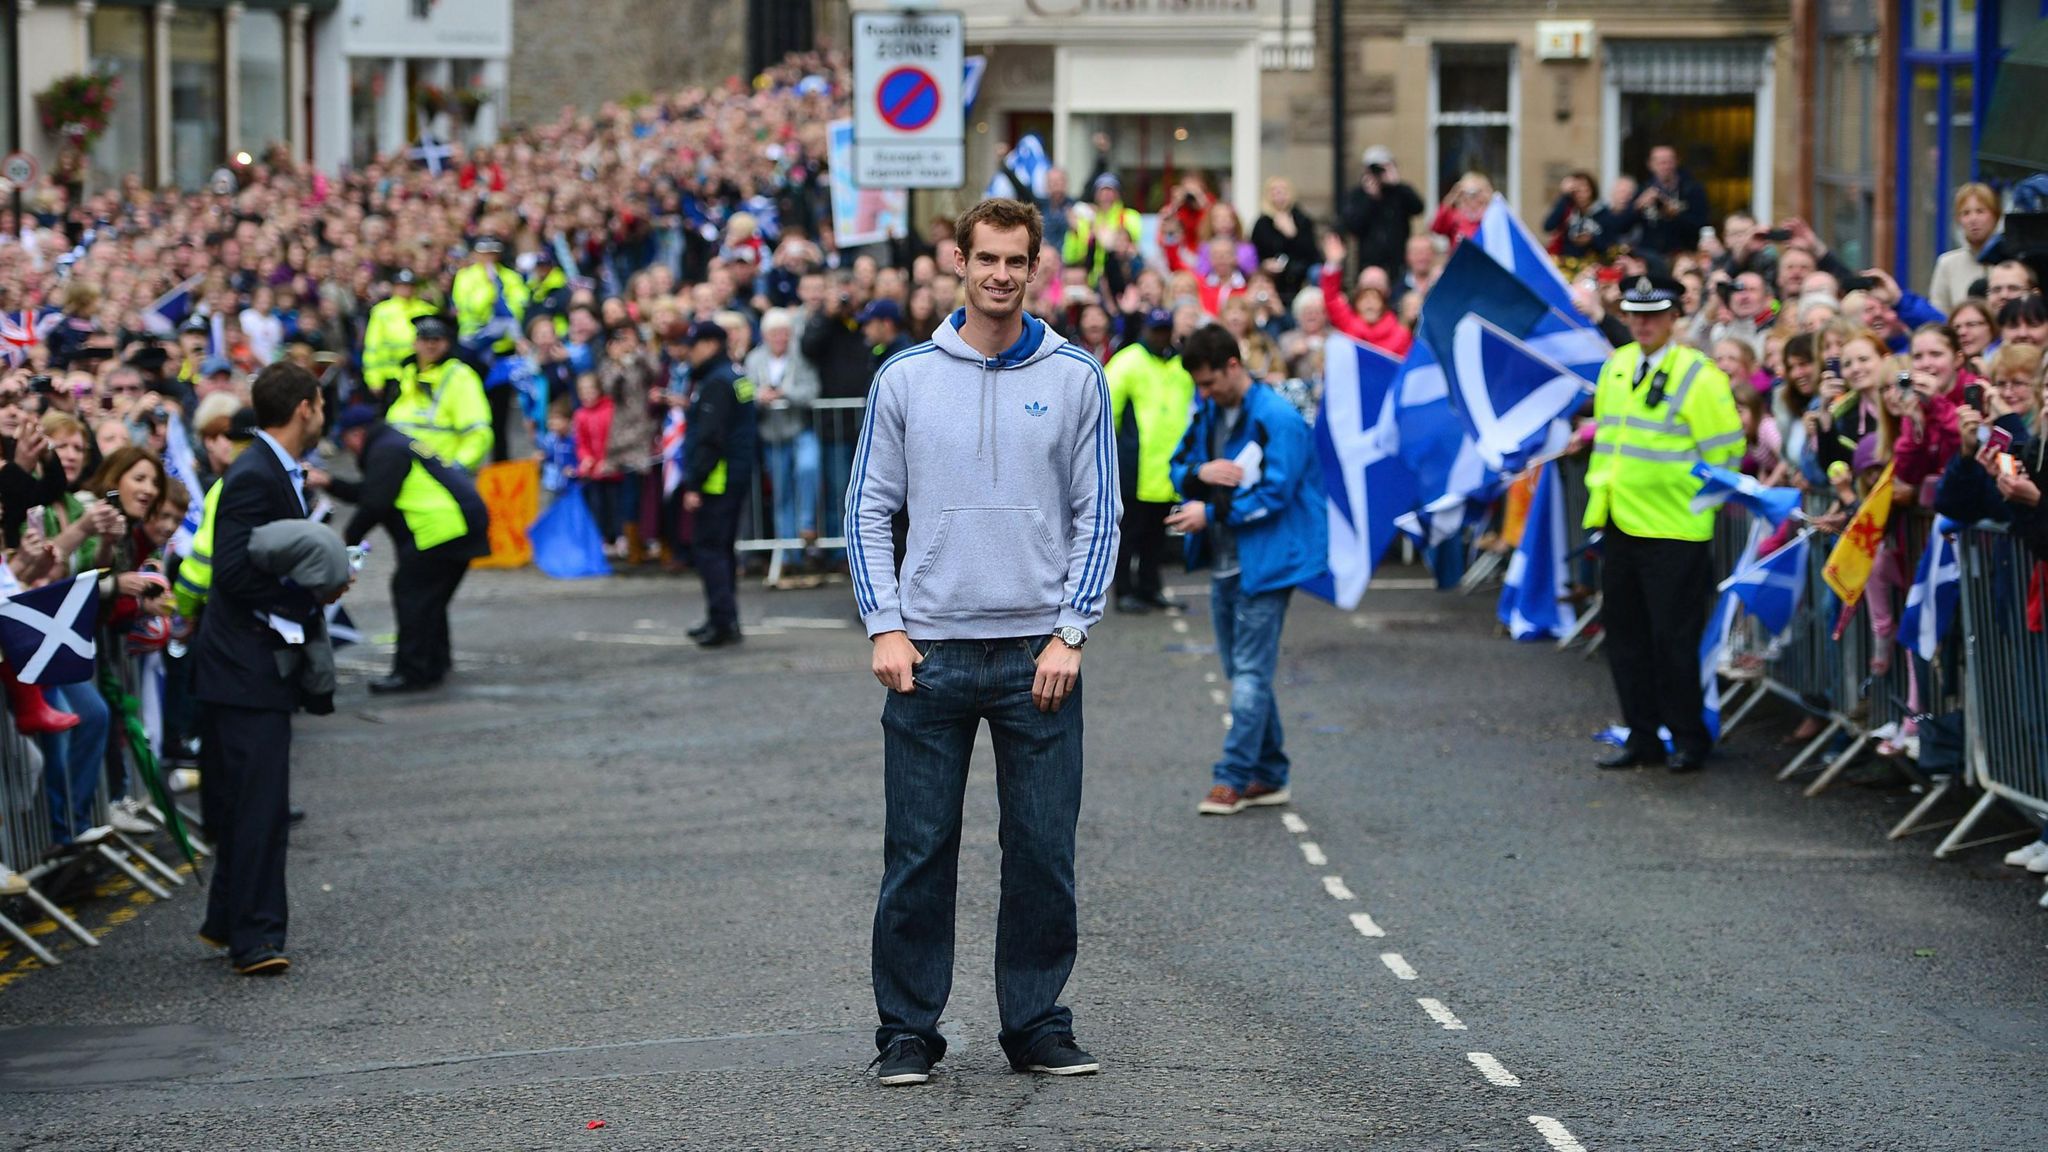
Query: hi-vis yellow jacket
{"type": "Point", "coordinates": [1640, 479]}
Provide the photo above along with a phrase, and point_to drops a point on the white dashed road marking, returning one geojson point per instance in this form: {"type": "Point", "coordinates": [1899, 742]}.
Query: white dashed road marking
{"type": "Point", "coordinates": [1554, 1132]}
{"type": "Point", "coordinates": [1180, 626]}
{"type": "Point", "coordinates": [1490, 1068]}
{"type": "Point", "coordinates": [1441, 1014]}
{"type": "Point", "coordinates": [1365, 926]}
{"type": "Point", "coordinates": [1313, 853]}
{"type": "Point", "coordinates": [1397, 966]}
{"type": "Point", "coordinates": [1293, 823]}
{"type": "Point", "coordinates": [1334, 885]}
{"type": "Point", "coordinates": [1218, 697]}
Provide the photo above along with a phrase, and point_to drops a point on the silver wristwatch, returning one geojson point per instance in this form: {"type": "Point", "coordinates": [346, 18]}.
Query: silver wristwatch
{"type": "Point", "coordinates": [1070, 636]}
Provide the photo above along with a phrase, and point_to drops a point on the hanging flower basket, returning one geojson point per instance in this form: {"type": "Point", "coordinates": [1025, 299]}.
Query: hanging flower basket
{"type": "Point", "coordinates": [432, 98]}
{"type": "Point", "coordinates": [471, 101]}
{"type": "Point", "coordinates": [79, 107]}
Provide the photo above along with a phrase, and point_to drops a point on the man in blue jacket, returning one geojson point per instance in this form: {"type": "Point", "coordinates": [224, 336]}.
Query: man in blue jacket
{"type": "Point", "coordinates": [1253, 484]}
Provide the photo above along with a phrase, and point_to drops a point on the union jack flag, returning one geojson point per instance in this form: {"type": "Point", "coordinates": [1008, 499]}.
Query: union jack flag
{"type": "Point", "coordinates": [21, 331]}
{"type": "Point", "coordinates": [672, 451]}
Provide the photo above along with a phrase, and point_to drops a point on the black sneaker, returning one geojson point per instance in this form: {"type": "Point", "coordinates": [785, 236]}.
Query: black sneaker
{"type": "Point", "coordinates": [904, 1061]}
{"type": "Point", "coordinates": [1060, 1056]}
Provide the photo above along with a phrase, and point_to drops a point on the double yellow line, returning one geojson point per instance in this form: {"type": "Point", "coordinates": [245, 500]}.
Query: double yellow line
{"type": "Point", "coordinates": [13, 969]}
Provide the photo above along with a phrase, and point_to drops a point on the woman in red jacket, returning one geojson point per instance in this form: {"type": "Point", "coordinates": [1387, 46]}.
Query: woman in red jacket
{"type": "Point", "coordinates": [1370, 320]}
{"type": "Point", "coordinates": [1463, 207]}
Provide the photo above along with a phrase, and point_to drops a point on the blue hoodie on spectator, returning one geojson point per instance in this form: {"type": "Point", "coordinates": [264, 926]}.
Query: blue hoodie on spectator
{"type": "Point", "coordinates": [1006, 466]}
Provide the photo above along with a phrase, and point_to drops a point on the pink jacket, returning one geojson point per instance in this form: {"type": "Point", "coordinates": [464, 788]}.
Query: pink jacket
{"type": "Point", "coordinates": [1386, 333]}
{"type": "Point", "coordinates": [1915, 458]}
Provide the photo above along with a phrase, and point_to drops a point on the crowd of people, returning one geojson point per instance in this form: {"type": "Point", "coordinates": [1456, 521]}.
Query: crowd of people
{"type": "Point", "coordinates": [566, 293]}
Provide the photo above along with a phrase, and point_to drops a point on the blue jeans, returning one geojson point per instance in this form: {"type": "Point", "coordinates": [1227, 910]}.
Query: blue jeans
{"type": "Point", "coordinates": [793, 474]}
{"type": "Point", "coordinates": [73, 761]}
{"type": "Point", "coordinates": [837, 462]}
{"type": "Point", "coordinates": [1248, 640]}
{"type": "Point", "coordinates": [928, 738]}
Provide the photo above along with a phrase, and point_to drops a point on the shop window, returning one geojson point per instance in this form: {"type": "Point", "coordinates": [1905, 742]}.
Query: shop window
{"type": "Point", "coordinates": [259, 61]}
{"type": "Point", "coordinates": [1472, 114]}
{"type": "Point", "coordinates": [121, 46]}
{"type": "Point", "coordinates": [198, 96]}
{"type": "Point", "coordinates": [1845, 178]}
{"type": "Point", "coordinates": [1938, 127]}
{"type": "Point", "coordinates": [1699, 97]}
{"type": "Point", "coordinates": [1149, 152]}
{"type": "Point", "coordinates": [366, 79]}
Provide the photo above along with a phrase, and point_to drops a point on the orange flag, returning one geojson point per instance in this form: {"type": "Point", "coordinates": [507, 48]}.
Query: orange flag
{"type": "Point", "coordinates": [1848, 566]}
{"type": "Point", "coordinates": [511, 493]}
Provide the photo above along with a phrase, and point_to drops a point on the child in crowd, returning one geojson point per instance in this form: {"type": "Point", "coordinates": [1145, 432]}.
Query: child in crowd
{"type": "Point", "coordinates": [601, 482]}
{"type": "Point", "coordinates": [556, 446]}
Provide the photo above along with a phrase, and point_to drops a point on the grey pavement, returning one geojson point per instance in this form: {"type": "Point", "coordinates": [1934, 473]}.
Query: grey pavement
{"type": "Point", "coordinates": [606, 876]}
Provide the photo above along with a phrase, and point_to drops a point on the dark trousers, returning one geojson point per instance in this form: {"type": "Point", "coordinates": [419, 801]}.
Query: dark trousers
{"type": "Point", "coordinates": [1655, 595]}
{"type": "Point", "coordinates": [928, 739]}
{"type": "Point", "coordinates": [716, 528]}
{"type": "Point", "coordinates": [420, 592]}
{"type": "Point", "coordinates": [245, 779]}
{"type": "Point", "coordinates": [1144, 541]}
{"type": "Point", "coordinates": [504, 400]}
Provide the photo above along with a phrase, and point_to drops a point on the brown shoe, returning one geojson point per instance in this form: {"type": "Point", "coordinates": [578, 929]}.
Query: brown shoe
{"type": "Point", "coordinates": [1222, 800]}
{"type": "Point", "coordinates": [1258, 795]}
{"type": "Point", "coordinates": [264, 964]}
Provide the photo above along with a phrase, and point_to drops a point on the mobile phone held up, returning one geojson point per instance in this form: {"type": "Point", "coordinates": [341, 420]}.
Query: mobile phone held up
{"type": "Point", "coordinates": [1999, 440]}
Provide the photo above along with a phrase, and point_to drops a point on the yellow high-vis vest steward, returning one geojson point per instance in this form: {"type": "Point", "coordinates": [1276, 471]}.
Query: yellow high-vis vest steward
{"type": "Point", "coordinates": [476, 301]}
{"type": "Point", "coordinates": [443, 407]}
{"type": "Point", "coordinates": [388, 339]}
{"type": "Point", "coordinates": [1640, 478]}
{"type": "Point", "coordinates": [195, 568]}
{"type": "Point", "coordinates": [1161, 396]}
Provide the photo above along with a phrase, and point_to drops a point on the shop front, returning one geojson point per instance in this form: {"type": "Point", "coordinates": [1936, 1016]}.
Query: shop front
{"type": "Point", "coordinates": [399, 73]}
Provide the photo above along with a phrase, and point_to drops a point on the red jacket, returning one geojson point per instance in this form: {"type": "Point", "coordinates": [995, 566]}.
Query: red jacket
{"type": "Point", "coordinates": [593, 436]}
{"type": "Point", "coordinates": [1915, 458]}
{"type": "Point", "coordinates": [1386, 333]}
{"type": "Point", "coordinates": [1454, 224]}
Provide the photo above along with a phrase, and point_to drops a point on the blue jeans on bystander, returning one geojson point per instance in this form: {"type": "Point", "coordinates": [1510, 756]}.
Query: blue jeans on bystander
{"type": "Point", "coordinates": [928, 738]}
{"type": "Point", "coordinates": [73, 760]}
{"type": "Point", "coordinates": [793, 474]}
{"type": "Point", "coordinates": [1248, 640]}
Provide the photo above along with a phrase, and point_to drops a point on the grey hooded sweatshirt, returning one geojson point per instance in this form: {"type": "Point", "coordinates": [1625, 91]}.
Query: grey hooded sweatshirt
{"type": "Point", "coordinates": [1006, 466]}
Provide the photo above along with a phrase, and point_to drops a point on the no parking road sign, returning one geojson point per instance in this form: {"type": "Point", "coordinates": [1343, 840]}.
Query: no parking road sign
{"type": "Point", "coordinates": [908, 125]}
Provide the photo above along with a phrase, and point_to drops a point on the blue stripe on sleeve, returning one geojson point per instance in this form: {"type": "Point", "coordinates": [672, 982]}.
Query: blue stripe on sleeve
{"type": "Point", "coordinates": [856, 551]}
{"type": "Point", "coordinates": [1096, 568]}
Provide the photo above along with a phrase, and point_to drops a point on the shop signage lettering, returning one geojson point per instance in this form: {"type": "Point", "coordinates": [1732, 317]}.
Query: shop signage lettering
{"type": "Point", "coordinates": [1065, 9]}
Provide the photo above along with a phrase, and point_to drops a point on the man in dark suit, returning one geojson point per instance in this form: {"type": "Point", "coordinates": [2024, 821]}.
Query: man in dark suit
{"type": "Point", "coordinates": [246, 701]}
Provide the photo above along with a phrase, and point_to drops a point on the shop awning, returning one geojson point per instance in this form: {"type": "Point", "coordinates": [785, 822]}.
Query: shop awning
{"type": "Point", "coordinates": [266, 5]}
{"type": "Point", "coordinates": [2014, 142]}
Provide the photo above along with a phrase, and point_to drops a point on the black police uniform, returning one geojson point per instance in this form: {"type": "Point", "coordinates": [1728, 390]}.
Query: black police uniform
{"type": "Point", "coordinates": [720, 431]}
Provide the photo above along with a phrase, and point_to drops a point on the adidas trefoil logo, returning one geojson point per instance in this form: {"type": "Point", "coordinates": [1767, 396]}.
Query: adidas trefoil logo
{"type": "Point", "coordinates": [1036, 409]}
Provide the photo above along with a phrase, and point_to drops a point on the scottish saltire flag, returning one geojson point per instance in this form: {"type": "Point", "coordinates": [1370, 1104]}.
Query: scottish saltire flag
{"type": "Point", "coordinates": [1438, 451]}
{"type": "Point", "coordinates": [1028, 159]}
{"type": "Point", "coordinates": [1711, 646]}
{"type": "Point", "coordinates": [1366, 485]}
{"type": "Point", "coordinates": [47, 634]}
{"type": "Point", "coordinates": [1539, 574]}
{"type": "Point", "coordinates": [672, 428]}
{"type": "Point", "coordinates": [166, 312]}
{"type": "Point", "coordinates": [1772, 586]}
{"type": "Point", "coordinates": [972, 69]}
{"type": "Point", "coordinates": [431, 152]}
{"type": "Point", "coordinates": [183, 467]}
{"type": "Point", "coordinates": [1720, 486]}
{"type": "Point", "coordinates": [1517, 249]}
{"type": "Point", "coordinates": [1937, 590]}
{"type": "Point", "coordinates": [1513, 364]}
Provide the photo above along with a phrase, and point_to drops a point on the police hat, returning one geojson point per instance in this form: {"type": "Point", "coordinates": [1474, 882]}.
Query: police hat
{"type": "Point", "coordinates": [354, 416]}
{"type": "Point", "coordinates": [432, 328]}
{"type": "Point", "coordinates": [1653, 293]}
{"type": "Point", "coordinates": [487, 244]}
{"type": "Point", "coordinates": [705, 330]}
{"type": "Point", "coordinates": [307, 337]}
{"type": "Point", "coordinates": [403, 276]}
{"type": "Point", "coordinates": [242, 425]}
{"type": "Point", "coordinates": [195, 324]}
{"type": "Point", "coordinates": [1159, 318]}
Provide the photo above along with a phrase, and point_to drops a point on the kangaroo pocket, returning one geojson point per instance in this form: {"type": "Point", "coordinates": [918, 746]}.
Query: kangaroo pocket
{"type": "Point", "coordinates": [988, 560]}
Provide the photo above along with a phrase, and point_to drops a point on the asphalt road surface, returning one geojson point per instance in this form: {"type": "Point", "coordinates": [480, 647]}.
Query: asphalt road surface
{"type": "Point", "coordinates": [604, 876]}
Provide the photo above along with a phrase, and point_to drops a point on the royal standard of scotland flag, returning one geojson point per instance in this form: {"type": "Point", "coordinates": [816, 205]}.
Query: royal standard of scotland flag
{"type": "Point", "coordinates": [1366, 484]}
{"type": "Point", "coordinates": [1772, 587]}
{"type": "Point", "coordinates": [1530, 603]}
{"type": "Point", "coordinates": [48, 634]}
{"type": "Point", "coordinates": [1939, 583]}
{"type": "Point", "coordinates": [1720, 486]}
{"type": "Point", "coordinates": [1513, 365]}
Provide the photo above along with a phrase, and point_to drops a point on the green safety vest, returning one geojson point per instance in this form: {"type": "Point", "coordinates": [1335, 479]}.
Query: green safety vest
{"type": "Point", "coordinates": [388, 339]}
{"type": "Point", "coordinates": [431, 512]}
{"type": "Point", "coordinates": [443, 407]}
{"type": "Point", "coordinates": [476, 300]}
{"type": "Point", "coordinates": [1161, 397]}
{"type": "Point", "coordinates": [1640, 478]}
{"type": "Point", "coordinates": [195, 570]}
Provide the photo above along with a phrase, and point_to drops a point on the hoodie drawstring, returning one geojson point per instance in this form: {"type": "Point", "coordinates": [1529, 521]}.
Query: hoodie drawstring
{"type": "Point", "coordinates": [987, 437]}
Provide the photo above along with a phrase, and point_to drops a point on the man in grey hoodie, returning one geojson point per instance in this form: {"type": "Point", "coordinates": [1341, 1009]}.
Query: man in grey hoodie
{"type": "Point", "coordinates": [995, 439]}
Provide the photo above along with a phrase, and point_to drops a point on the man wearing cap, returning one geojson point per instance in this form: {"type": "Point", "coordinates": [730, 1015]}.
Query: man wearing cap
{"type": "Point", "coordinates": [437, 524]}
{"type": "Point", "coordinates": [440, 400]}
{"type": "Point", "coordinates": [1151, 396]}
{"type": "Point", "coordinates": [1090, 247]}
{"type": "Point", "coordinates": [216, 375]}
{"type": "Point", "coordinates": [194, 338]}
{"type": "Point", "coordinates": [1380, 212]}
{"type": "Point", "coordinates": [718, 459]}
{"type": "Point", "coordinates": [1660, 406]}
{"type": "Point", "coordinates": [881, 325]}
{"type": "Point", "coordinates": [388, 334]}
{"type": "Point", "coordinates": [489, 301]}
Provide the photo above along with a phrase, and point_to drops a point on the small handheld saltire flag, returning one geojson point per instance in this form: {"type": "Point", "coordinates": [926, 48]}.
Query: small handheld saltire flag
{"type": "Point", "coordinates": [1848, 566]}
{"type": "Point", "coordinates": [1531, 604]}
{"type": "Point", "coordinates": [1772, 586]}
{"type": "Point", "coordinates": [672, 451]}
{"type": "Point", "coordinates": [1029, 160]}
{"type": "Point", "coordinates": [1937, 589]}
{"type": "Point", "coordinates": [1510, 360]}
{"type": "Point", "coordinates": [1711, 645]}
{"type": "Point", "coordinates": [1720, 486]}
{"type": "Point", "coordinates": [1364, 482]}
{"type": "Point", "coordinates": [166, 312]}
{"type": "Point", "coordinates": [48, 634]}
{"type": "Point", "coordinates": [183, 467]}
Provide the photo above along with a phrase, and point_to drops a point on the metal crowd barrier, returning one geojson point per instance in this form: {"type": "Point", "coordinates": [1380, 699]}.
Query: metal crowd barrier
{"type": "Point", "coordinates": [836, 425]}
{"type": "Point", "coordinates": [2005, 674]}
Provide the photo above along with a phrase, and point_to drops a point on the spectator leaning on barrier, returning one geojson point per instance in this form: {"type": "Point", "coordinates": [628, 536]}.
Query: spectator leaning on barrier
{"type": "Point", "coordinates": [1255, 512]}
{"type": "Point", "coordinates": [1150, 394]}
{"type": "Point", "coordinates": [1012, 508]}
{"type": "Point", "coordinates": [1659, 406]}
